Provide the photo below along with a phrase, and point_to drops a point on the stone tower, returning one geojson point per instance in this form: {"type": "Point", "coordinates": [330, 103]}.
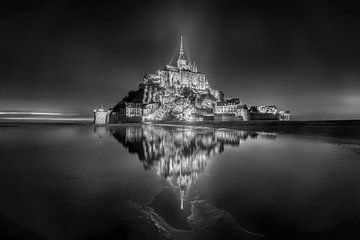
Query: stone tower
{"type": "Point", "coordinates": [181, 62]}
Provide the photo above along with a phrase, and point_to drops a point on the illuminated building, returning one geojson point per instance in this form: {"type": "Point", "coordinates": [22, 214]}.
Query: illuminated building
{"type": "Point", "coordinates": [101, 116]}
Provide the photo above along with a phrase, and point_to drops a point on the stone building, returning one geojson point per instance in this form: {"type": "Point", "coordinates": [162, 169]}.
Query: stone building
{"type": "Point", "coordinates": [228, 106]}
{"type": "Point", "coordinates": [267, 109]}
{"type": "Point", "coordinates": [227, 110]}
{"type": "Point", "coordinates": [284, 115]}
{"type": "Point", "coordinates": [263, 113]}
{"type": "Point", "coordinates": [127, 112]}
{"type": "Point", "coordinates": [243, 111]}
{"type": "Point", "coordinates": [101, 116]}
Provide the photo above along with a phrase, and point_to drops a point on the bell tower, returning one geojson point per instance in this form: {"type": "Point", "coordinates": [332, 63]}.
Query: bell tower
{"type": "Point", "coordinates": [181, 62]}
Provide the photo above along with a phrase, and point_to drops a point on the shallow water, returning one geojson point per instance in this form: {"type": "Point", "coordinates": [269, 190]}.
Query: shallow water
{"type": "Point", "coordinates": [76, 182]}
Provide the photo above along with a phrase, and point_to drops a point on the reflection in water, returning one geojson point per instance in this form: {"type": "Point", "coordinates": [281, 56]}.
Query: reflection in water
{"type": "Point", "coordinates": [179, 154]}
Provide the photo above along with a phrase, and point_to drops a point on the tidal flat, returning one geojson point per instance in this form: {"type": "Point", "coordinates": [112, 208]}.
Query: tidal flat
{"type": "Point", "coordinates": [133, 181]}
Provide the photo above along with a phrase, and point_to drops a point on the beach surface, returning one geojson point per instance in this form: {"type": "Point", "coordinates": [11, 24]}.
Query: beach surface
{"type": "Point", "coordinates": [270, 182]}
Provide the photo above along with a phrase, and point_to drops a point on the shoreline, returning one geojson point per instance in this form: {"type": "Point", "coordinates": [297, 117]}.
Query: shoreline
{"type": "Point", "coordinates": [348, 130]}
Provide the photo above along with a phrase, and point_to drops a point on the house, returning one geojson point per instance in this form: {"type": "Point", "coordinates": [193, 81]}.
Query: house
{"type": "Point", "coordinates": [101, 116]}
{"type": "Point", "coordinates": [127, 112]}
{"type": "Point", "coordinates": [228, 106]}
{"type": "Point", "coordinates": [285, 115]}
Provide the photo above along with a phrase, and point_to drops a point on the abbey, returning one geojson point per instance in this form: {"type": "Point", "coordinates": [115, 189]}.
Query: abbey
{"type": "Point", "coordinates": [184, 74]}
{"type": "Point", "coordinates": [167, 84]}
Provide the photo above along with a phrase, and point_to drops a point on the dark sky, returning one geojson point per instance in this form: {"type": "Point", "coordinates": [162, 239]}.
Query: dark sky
{"type": "Point", "coordinates": [72, 56]}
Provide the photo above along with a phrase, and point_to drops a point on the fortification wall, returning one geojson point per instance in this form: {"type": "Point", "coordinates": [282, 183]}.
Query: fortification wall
{"type": "Point", "coordinates": [227, 117]}
{"type": "Point", "coordinates": [264, 116]}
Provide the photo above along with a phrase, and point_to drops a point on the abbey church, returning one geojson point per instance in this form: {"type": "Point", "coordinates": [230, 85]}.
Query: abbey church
{"type": "Point", "coordinates": [184, 75]}
{"type": "Point", "coordinates": [178, 92]}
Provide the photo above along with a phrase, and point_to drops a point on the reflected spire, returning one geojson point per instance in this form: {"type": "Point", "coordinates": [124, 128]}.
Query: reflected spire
{"type": "Point", "coordinates": [182, 193]}
{"type": "Point", "coordinates": [181, 46]}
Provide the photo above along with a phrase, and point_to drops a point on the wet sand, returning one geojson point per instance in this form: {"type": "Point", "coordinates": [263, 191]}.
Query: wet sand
{"type": "Point", "coordinates": [134, 217]}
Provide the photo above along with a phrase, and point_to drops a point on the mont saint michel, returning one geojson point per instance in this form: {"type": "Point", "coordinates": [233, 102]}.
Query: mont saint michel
{"type": "Point", "coordinates": [182, 93]}
{"type": "Point", "coordinates": [179, 120]}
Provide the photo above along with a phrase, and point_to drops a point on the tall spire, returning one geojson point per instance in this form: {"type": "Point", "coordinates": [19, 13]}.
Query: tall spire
{"type": "Point", "coordinates": [181, 63]}
{"type": "Point", "coordinates": [181, 53]}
